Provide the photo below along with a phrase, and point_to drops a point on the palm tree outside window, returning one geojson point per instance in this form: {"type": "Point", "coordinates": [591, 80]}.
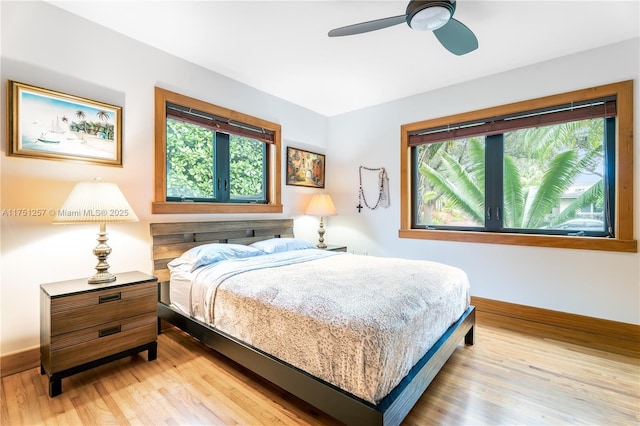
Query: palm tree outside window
{"type": "Point", "coordinates": [546, 180]}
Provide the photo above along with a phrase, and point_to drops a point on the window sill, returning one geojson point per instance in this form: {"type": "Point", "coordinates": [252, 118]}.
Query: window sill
{"type": "Point", "coordinates": [198, 208]}
{"type": "Point", "coordinates": [553, 241]}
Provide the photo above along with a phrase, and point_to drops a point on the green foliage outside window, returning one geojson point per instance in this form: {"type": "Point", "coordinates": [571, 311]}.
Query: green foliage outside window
{"type": "Point", "coordinates": [541, 167]}
{"type": "Point", "coordinates": [246, 160]}
{"type": "Point", "coordinates": [191, 159]}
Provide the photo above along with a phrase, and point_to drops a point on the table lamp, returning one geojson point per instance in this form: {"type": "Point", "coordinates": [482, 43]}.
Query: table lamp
{"type": "Point", "coordinates": [321, 205]}
{"type": "Point", "coordinates": [97, 202]}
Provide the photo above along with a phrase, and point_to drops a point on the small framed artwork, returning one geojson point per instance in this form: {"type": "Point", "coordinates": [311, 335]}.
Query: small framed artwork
{"type": "Point", "coordinates": [52, 125]}
{"type": "Point", "coordinates": [305, 168]}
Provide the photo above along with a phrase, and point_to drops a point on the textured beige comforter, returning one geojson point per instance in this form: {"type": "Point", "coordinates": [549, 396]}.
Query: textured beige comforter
{"type": "Point", "coordinates": [358, 322]}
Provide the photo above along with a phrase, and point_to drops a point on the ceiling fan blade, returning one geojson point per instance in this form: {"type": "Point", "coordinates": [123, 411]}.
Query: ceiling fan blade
{"type": "Point", "coordinates": [365, 27]}
{"type": "Point", "coordinates": [456, 37]}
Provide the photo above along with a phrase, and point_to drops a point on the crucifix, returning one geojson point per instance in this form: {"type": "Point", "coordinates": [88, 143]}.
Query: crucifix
{"type": "Point", "coordinates": [359, 207]}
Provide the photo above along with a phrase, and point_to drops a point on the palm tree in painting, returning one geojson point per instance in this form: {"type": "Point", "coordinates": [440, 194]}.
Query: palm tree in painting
{"type": "Point", "coordinates": [81, 116]}
{"type": "Point", "coordinates": [65, 120]}
{"type": "Point", "coordinates": [104, 117]}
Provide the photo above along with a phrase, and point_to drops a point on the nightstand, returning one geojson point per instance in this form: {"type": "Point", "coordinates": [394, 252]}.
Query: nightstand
{"type": "Point", "coordinates": [335, 248]}
{"type": "Point", "coordinates": [85, 325]}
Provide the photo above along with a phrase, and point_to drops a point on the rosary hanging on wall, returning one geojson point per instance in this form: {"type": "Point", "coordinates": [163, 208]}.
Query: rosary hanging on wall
{"type": "Point", "coordinates": [382, 186]}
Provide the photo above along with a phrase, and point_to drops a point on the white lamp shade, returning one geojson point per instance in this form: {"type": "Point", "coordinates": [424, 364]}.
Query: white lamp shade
{"type": "Point", "coordinates": [321, 205]}
{"type": "Point", "coordinates": [96, 201]}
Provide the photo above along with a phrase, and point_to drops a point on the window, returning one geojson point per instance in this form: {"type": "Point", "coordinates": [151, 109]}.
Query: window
{"type": "Point", "coordinates": [213, 160]}
{"type": "Point", "coordinates": [550, 172]}
{"type": "Point", "coordinates": [531, 180]}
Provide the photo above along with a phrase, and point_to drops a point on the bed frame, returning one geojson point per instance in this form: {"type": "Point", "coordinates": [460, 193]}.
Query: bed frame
{"type": "Point", "coordinates": [172, 239]}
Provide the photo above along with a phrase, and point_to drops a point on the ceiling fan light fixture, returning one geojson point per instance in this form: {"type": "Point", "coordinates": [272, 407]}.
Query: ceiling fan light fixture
{"type": "Point", "coordinates": [426, 15]}
{"type": "Point", "coordinates": [430, 18]}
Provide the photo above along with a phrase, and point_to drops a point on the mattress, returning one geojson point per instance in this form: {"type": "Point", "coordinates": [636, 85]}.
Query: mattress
{"type": "Point", "coordinates": [358, 322]}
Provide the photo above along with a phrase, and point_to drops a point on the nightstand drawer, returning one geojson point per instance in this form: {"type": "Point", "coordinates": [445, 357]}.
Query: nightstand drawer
{"type": "Point", "coordinates": [86, 310]}
{"type": "Point", "coordinates": [101, 341]}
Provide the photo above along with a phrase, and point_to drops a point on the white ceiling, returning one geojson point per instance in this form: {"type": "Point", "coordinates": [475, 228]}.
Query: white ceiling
{"type": "Point", "coordinates": [282, 47]}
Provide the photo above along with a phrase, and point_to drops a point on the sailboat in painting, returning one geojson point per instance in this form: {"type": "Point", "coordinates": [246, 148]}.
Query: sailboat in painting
{"type": "Point", "coordinates": [55, 134]}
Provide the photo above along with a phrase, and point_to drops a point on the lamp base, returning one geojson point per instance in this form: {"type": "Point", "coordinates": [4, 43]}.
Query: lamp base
{"type": "Point", "coordinates": [321, 244]}
{"type": "Point", "coordinates": [102, 277]}
{"type": "Point", "coordinates": [101, 251]}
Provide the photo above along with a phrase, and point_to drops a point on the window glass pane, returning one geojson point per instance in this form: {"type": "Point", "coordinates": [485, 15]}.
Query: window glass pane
{"type": "Point", "coordinates": [246, 168]}
{"type": "Point", "coordinates": [450, 183]}
{"type": "Point", "coordinates": [553, 177]}
{"type": "Point", "coordinates": [189, 160]}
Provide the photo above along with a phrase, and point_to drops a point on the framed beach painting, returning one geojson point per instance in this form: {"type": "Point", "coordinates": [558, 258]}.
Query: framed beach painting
{"type": "Point", "coordinates": [305, 168]}
{"type": "Point", "coordinates": [52, 125]}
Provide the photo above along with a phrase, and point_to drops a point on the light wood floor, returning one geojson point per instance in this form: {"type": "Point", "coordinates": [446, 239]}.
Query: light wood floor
{"type": "Point", "coordinates": [506, 378]}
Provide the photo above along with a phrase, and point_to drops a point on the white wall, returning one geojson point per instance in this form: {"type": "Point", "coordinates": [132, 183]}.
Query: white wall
{"type": "Point", "coordinates": [593, 283]}
{"type": "Point", "coordinates": [44, 46]}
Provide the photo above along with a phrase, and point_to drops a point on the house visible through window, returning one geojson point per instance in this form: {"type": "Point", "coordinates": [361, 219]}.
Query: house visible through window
{"type": "Point", "coordinates": [211, 162]}
{"type": "Point", "coordinates": [548, 171]}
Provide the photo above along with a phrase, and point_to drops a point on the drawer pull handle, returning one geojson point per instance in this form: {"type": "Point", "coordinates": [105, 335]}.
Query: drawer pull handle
{"type": "Point", "coordinates": [109, 331]}
{"type": "Point", "coordinates": [110, 298]}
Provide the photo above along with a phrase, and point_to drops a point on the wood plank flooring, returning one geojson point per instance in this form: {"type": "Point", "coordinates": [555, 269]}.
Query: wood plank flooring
{"type": "Point", "coordinates": [507, 377]}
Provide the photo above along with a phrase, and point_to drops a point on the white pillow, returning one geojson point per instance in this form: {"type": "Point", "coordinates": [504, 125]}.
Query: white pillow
{"type": "Point", "coordinates": [207, 254]}
{"type": "Point", "coordinates": [277, 245]}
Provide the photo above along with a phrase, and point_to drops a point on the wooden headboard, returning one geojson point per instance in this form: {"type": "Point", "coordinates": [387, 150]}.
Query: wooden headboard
{"type": "Point", "coordinates": [171, 239]}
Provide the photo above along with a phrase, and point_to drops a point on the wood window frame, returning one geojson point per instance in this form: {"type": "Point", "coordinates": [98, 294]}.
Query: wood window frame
{"type": "Point", "coordinates": [623, 241]}
{"type": "Point", "coordinates": [160, 204]}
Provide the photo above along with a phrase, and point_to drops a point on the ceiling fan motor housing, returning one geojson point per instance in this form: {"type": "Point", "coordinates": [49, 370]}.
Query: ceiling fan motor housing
{"type": "Point", "coordinates": [430, 14]}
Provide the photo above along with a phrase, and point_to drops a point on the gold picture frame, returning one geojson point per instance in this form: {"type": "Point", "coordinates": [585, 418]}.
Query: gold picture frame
{"type": "Point", "coordinates": [51, 125]}
{"type": "Point", "coordinates": [305, 168]}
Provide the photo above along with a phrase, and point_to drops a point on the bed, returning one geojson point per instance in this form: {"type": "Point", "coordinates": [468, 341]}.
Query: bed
{"type": "Point", "coordinates": [380, 390]}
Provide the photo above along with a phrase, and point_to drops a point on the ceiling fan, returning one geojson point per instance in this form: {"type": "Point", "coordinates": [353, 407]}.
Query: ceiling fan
{"type": "Point", "coordinates": [429, 15]}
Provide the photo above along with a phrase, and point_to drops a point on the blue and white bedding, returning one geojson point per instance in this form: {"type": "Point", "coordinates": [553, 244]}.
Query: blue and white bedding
{"type": "Point", "coordinates": [358, 322]}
